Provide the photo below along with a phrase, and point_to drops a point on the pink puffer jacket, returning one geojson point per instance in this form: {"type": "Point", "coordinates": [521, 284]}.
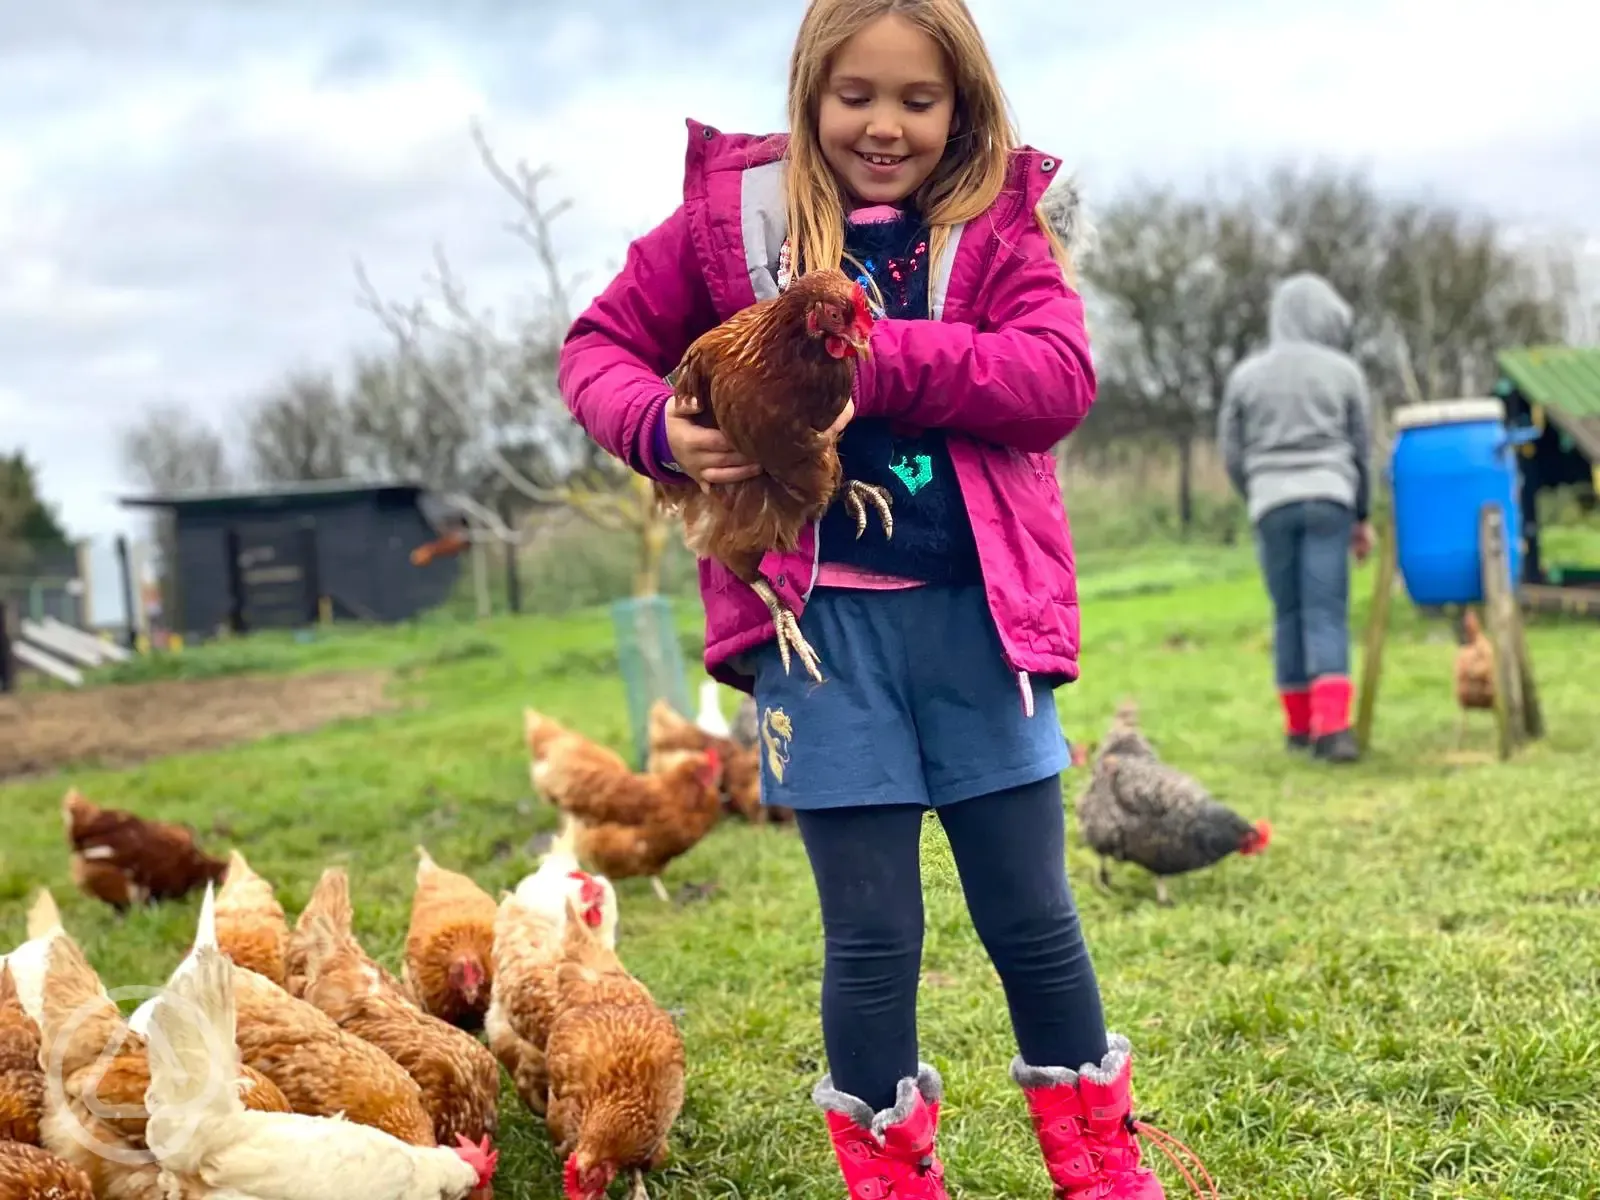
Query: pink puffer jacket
{"type": "Point", "coordinates": [1003, 365]}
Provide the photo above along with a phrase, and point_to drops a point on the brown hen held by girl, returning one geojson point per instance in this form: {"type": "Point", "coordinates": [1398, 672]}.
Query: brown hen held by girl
{"type": "Point", "coordinates": [773, 379]}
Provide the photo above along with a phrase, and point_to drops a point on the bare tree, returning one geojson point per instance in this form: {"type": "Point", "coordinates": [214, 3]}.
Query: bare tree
{"type": "Point", "coordinates": [299, 431]}
{"type": "Point", "coordinates": [1183, 283]}
{"type": "Point", "coordinates": [401, 428]}
{"type": "Point", "coordinates": [1455, 296]}
{"type": "Point", "coordinates": [169, 449]}
{"type": "Point", "coordinates": [501, 387]}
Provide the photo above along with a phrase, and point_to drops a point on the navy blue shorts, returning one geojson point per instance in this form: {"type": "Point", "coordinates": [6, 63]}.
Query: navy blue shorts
{"type": "Point", "coordinates": [917, 705]}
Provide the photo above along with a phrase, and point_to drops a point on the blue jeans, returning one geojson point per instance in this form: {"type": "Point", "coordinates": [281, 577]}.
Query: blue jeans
{"type": "Point", "coordinates": [1304, 550]}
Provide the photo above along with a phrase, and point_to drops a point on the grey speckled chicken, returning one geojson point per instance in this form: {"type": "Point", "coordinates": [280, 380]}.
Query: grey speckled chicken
{"type": "Point", "coordinates": [1139, 810]}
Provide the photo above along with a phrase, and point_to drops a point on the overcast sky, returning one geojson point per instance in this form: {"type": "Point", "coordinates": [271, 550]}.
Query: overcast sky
{"type": "Point", "coordinates": [183, 192]}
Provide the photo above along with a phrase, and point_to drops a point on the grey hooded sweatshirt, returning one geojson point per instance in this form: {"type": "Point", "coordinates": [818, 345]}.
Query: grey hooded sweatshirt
{"type": "Point", "coordinates": [1295, 422]}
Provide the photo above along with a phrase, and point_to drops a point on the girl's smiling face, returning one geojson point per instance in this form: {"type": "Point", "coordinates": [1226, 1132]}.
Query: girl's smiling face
{"type": "Point", "coordinates": [886, 111]}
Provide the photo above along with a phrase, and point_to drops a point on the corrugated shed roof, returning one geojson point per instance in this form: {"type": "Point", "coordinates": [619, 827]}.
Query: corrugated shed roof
{"type": "Point", "coordinates": [1565, 382]}
{"type": "Point", "coordinates": [280, 496]}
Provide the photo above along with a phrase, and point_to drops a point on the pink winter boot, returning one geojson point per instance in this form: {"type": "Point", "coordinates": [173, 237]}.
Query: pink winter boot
{"type": "Point", "coordinates": [1087, 1132]}
{"type": "Point", "coordinates": [887, 1155]}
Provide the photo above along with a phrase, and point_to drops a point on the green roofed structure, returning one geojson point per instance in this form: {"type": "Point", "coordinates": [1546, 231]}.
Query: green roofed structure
{"type": "Point", "coordinates": [1555, 389]}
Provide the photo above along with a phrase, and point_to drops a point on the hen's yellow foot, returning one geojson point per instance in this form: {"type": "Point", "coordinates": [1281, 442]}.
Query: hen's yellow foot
{"type": "Point", "coordinates": [858, 495]}
{"type": "Point", "coordinates": [787, 628]}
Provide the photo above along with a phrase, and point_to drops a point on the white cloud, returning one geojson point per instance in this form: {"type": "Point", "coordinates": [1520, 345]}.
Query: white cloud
{"type": "Point", "coordinates": [181, 197]}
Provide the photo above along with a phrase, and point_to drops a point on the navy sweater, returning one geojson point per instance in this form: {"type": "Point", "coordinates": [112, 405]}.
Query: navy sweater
{"type": "Point", "coordinates": [933, 541]}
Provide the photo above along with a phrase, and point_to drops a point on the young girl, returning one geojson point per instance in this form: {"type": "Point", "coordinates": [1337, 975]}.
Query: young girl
{"type": "Point", "coordinates": [941, 643]}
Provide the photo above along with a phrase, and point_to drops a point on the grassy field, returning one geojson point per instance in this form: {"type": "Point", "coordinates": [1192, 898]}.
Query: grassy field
{"type": "Point", "coordinates": [1397, 1000]}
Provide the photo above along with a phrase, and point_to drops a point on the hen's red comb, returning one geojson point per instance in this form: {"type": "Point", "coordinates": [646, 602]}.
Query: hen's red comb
{"type": "Point", "coordinates": [589, 889]}
{"type": "Point", "coordinates": [1257, 839]}
{"type": "Point", "coordinates": [479, 1156]}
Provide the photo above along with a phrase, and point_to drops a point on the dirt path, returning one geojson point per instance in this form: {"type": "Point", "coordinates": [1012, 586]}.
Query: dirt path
{"type": "Point", "coordinates": [115, 726]}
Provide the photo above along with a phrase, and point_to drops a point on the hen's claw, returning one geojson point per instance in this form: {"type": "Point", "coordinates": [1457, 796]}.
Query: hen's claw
{"type": "Point", "coordinates": [858, 495]}
{"type": "Point", "coordinates": [789, 635]}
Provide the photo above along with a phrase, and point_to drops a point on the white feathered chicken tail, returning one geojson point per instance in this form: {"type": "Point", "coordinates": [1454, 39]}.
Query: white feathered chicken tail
{"type": "Point", "coordinates": [44, 917]}
{"type": "Point", "coordinates": [194, 1061]}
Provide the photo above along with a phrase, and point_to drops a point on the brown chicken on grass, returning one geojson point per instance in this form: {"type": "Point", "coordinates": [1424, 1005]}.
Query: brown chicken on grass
{"type": "Point", "coordinates": [123, 860]}
{"type": "Point", "coordinates": [449, 964]}
{"type": "Point", "coordinates": [670, 731]}
{"type": "Point", "coordinates": [1474, 672]}
{"type": "Point", "coordinates": [621, 823]}
{"type": "Point", "coordinates": [616, 1067]}
{"type": "Point", "coordinates": [321, 1069]}
{"type": "Point", "coordinates": [528, 947]}
{"type": "Point", "coordinates": [774, 378]}
{"type": "Point", "coordinates": [460, 1080]}
{"type": "Point", "coordinates": [26, 1171]}
{"type": "Point", "coordinates": [21, 1080]}
{"type": "Point", "coordinates": [252, 928]}
{"type": "Point", "coordinates": [29, 1173]}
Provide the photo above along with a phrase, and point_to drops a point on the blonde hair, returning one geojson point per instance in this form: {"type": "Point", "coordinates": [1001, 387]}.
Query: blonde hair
{"type": "Point", "coordinates": [970, 176]}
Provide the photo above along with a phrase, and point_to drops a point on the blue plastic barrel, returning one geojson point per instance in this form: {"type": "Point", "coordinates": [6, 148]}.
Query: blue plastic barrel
{"type": "Point", "coordinates": [1450, 458]}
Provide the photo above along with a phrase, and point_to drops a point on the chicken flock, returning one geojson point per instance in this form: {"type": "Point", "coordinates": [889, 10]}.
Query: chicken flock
{"type": "Point", "coordinates": [283, 1062]}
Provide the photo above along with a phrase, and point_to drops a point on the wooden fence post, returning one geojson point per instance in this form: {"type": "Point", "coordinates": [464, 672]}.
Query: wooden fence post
{"type": "Point", "coordinates": [8, 665]}
{"type": "Point", "coordinates": [124, 560]}
{"type": "Point", "coordinates": [513, 578]}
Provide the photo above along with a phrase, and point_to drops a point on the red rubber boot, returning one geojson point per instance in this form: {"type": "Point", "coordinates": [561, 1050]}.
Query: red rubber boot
{"type": "Point", "coordinates": [1087, 1132]}
{"type": "Point", "coordinates": [1296, 717]}
{"type": "Point", "coordinates": [887, 1155]}
{"type": "Point", "coordinates": [1332, 739]}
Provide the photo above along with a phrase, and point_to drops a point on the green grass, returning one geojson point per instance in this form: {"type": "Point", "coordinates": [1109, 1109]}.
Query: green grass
{"type": "Point", "coordinates": [1397, 1000]}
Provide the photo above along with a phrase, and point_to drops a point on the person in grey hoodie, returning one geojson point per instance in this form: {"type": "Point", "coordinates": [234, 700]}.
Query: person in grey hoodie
{"type": "Point", "coordinates": [1295, 433]}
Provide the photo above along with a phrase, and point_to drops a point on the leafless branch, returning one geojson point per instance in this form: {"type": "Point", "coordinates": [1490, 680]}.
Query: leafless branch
{"type": "Point", "coordinates": [409, 324]}
{"type": "Point", "coordinates": [535, 226]}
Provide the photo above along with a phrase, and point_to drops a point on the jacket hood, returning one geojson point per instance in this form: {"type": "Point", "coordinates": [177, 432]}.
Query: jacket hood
{"type": "Point", "coordinates": [1062, 207]}
{"type": "Point", "coordinates": [1305, 308]}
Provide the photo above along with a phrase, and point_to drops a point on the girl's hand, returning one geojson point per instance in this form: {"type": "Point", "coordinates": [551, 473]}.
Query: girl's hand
{"type": "Point", "coordinates": [704, 454]}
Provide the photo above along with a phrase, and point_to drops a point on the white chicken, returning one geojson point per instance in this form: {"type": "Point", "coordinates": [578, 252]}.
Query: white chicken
{"type": "Point", "coordinates": [205, 1140]}
{"type": "Point", "coordinates": [710, 718]}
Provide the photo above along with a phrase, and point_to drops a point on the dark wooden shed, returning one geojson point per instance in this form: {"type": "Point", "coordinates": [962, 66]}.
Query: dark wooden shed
{"type": "Point", "coordinates": [276, 558]}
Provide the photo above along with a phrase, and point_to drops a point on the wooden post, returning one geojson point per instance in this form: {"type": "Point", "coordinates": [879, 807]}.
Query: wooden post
{"type": "Point", "coordinates": [1377, 636]}
{"type": "Point", "coordinates": [8, 665]}
{"type": "Point", "coordinates": [480, 577]}
{"type": "Point", "coordinates": [125, 562]}
{"type": "Point", "coordinates": [85, 550]}
{"type": "Point", "coordinates": [1533, 711]}
{"type": "Point", "coordinates": [1499, 610]}
{"type": "Point", "coordinates": [513, 565]}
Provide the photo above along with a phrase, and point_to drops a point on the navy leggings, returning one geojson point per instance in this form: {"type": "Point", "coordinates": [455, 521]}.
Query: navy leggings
{"type": "Point", "coordinates": [1009, 849]}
